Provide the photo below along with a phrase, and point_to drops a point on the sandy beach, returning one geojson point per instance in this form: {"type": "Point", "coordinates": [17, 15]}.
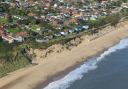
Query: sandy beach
{"type": "Point", "coordinates": [29, 78]}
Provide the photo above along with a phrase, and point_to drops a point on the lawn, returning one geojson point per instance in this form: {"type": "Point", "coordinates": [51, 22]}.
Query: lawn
{"type": "Point", "coordinates": [3, 20]}
{"type": "Point", "coordinates": [35, 27]}
{"type": "Point", "coordinates": [14, 30]}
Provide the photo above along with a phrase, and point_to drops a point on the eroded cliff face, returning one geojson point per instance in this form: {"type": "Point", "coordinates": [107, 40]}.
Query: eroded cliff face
{"type": "Point", "coordinates": [41, 54]}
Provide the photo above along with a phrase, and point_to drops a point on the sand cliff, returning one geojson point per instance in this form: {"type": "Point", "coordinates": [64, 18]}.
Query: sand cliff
{"type": "Point", "coordinates": [61, 58]}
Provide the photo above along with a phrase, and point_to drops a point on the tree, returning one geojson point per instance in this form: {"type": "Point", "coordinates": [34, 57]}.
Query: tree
{"type": "Point", "coordinates": [9, 17]}
{"type": "Point", "coordinates": [114, 19]}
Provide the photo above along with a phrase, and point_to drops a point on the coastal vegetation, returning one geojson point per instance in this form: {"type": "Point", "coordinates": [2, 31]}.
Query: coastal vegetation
{"type": "Point", "coordinates": [11, 65]}
{"type": "Point", "coordinates": [11, 58]}
{"type": "Point", "coordinates": [41, 34]}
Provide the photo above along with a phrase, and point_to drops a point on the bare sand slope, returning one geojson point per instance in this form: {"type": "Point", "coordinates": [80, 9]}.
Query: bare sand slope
{"type": "Point", "coordinates": [28, 78]}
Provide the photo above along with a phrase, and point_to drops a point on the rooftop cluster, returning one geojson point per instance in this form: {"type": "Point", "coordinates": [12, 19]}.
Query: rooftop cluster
{"type": "Point", "coordinates": [44, 20]}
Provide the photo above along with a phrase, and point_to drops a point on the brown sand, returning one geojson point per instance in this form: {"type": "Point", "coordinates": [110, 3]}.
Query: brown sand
{"type": "Point", "coordinates": [28, 78]}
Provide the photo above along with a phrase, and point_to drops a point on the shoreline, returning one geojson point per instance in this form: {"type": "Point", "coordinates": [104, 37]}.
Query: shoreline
{"type": "Point", "coordinates": [62, 62]}
{"type": "Point", "coordinates": [61, 74]}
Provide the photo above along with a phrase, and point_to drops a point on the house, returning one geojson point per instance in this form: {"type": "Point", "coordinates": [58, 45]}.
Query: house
{"type": "Point", "coordinates": [71, 31]}
{"type": "Point", "coordinates": [8, 38]}
{"type": "Point", "coordinates": [31, 2]}
{"type": "Point", "coordinates": [57, 34]}
{"type": "Point", "coordinates": [18, 39]}
{"type": "Point", "coordinates": [63, 33]}
{"type": "Point", "coordinates": [93, 17]}
{"type": "Point", "coordinates": [31, 14]}
{"type": "Point", "coordinates": [5, 36]}
{"type": "Point", "coordinates": [22, 34]}
{"type": "Point", "coordinates": [78, 15]}
{"type": "Point", "coordinates": [41, 40]}
{"type": "Point", "coordinates": [124, 5]}
{"type": "Point", "coordinates": [116, 10]}
{"type": "Point", "coordinates": [85, 27]}
{"type": "Point", "coordinates": [70, 21]}
{"type": "Point", "coordinates": [1, 30]}
{"type": "Point", "coordinates": [55, 23]}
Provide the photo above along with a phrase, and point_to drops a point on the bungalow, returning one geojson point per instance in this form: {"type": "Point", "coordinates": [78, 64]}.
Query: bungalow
{"type": "Point", "coordinates": [22, 34]}
{"type": "Point", "coordinates": [31, 14]}
{"type": "Point", "coordinates": [70, 21]}
{"type": "Point", "coordinates": [18, 39]}
{"type": "Point", "coordinates": [85, 27]}
{"type": "Point", "coordinates": [4, 35]}
{"type": "Point", "coordinates": [55, 23]}
{"type": "Point", "coordinates": [41, 40]}
{"type": "Point", "coordinates": [124, 5]}
{"type": "Point", "coordinates": [55, 5]}
{"type": "Point", "coordinates": [57, 34]}
{"type": "Point", "coordinates": [8, 38]}
{"type": "Point", "coordinates": [77, 15]}
{"type": "Point", "coordinates": [116, 10]}
{"type": "Point", "coordinates": [93, 17]}
{"type": "Point", "coordinates": [1, 30]}
{"type": "Point", "coordinates": [62, 33]}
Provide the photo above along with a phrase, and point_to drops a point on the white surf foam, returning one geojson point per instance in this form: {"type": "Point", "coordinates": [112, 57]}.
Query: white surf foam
{"type": "Point", "coordinates": [91, 64]}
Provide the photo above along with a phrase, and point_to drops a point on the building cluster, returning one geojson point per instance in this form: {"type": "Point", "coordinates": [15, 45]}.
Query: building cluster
{"type": "Point", "coordinates": [48, 19]}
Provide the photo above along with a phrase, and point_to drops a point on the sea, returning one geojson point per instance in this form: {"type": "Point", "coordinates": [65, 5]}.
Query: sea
{"type": "Point", "coordinates": [109, 70]}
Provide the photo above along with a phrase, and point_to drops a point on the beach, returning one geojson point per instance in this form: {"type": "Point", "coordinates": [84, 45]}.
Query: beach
{"type": "Point", "coordinates": [31, 77]}
{"type": "Point", "coordinates": [105, 71]}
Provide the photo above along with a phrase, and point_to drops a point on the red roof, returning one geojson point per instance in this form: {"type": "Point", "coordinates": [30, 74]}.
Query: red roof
{"type": "Point", "coordinates": [23, 34]}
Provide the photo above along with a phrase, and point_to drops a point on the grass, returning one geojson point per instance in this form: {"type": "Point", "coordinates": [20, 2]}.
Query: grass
{"type": "Point", "coordinates": [14, 30]}
{"type": "Point", "coordinates": [11, 58]}
{"type": "Point", "coordinates": [34, 27]}
{"type": "Point", "coordinates": [6, 67]}
{"type": "Point", "coordinates": [3, 20]}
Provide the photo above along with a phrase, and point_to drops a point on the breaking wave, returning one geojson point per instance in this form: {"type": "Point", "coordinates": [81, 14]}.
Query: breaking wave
{"type": "Point", "coordinates": [79, 72]}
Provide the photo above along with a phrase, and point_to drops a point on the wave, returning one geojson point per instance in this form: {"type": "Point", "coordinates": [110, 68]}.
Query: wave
{"type": "Point", "coordinates": [79, 72]}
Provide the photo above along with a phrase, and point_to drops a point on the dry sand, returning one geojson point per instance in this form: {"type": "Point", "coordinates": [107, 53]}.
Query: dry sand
{"type": "Point", "coordinates": [28, 78]}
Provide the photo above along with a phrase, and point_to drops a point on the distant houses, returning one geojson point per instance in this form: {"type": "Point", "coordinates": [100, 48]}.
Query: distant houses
{"type": "Point", "coordinates": [58, 17]}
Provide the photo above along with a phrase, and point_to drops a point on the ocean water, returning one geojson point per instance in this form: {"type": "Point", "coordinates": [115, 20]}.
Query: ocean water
{"type": "Point", "coordinates": [107, 71]}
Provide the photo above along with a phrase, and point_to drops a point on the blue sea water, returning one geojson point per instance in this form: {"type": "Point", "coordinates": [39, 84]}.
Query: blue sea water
{"type": "Point", "coordinates": [107, 71]}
